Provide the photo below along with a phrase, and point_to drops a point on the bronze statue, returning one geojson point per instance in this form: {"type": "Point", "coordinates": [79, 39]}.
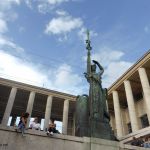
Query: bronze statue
{"type": "Point", "coordinates": [94, 111]}
{"type": "Point", "coordinates": [95, 91]}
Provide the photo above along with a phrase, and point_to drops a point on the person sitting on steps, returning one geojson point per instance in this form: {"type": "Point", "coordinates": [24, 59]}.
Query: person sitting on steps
{"type": "Point", "coordinates": [52, 128]}
{"type": "Point", "coordinates": [23, 122]}
{"type": "Point", "coordinates": [34, 124]}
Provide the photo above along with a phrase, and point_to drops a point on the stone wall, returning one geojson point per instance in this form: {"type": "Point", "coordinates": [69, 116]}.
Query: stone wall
{"type": "Point", "coordinates": [38, 140]}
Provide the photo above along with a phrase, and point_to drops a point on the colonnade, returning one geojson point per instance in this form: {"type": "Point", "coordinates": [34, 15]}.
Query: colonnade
{"type": "Point", "coordinates": [131, 104]}
{"type": "Point", "coordinates": [117, 109]}
{"type": "Point", "coordinates": [29, 109]}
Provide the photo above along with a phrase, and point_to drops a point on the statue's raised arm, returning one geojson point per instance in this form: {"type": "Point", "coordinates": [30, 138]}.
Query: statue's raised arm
{"type": "Point", "coordinates": [100, 67]}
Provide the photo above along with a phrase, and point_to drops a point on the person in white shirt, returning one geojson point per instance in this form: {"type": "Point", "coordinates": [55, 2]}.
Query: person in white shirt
{"type": "Point", "coordinates": [34, 124]}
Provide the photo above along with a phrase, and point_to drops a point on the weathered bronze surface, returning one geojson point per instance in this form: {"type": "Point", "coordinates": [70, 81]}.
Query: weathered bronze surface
{"type": "Point", "coordinates": [82, 116]}
{"type": "Point", "coordinates": [92, 118]}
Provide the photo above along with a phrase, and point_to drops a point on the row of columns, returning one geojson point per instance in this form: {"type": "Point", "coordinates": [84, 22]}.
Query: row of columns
{"type": "Point", "coordinates": [11, 100]}
{"type": "Point", "coordinates": [130, 100]}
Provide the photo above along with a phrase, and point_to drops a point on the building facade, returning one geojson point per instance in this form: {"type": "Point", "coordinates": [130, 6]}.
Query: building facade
{"type": "Point", "coordinates": [16, 98]}
{"type": "Point", "coordinates": [128, 103]}
{"type": "Point", "coordinates": [129, 100]}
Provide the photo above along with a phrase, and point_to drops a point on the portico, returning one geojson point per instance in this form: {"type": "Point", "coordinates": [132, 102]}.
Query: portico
{"type": "Point", "coordinates": [16, 98]}
{"type": "Point", "coordinates": [128, 99]}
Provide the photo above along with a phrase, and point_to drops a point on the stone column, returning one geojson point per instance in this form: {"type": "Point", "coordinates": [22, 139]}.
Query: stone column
{"type": "Point", "coordinates": [112, 122]}
{"type": "Point", "coordinates": [30, 105]}
{"type": "Point", "coordinates": [48, 111]}
{"type": "Point", "coordinates": [9, 106]}
{"type": "Point", "coordinates": [65, 117]}
{"type": "Point", "coordinates": [146, 89]}
{"type": "Point", "coordinates": [117, 114]}
{"type": "Point", "coordinates": [131, 106]}
{"type": "Point", "coordinates": [73, 126]}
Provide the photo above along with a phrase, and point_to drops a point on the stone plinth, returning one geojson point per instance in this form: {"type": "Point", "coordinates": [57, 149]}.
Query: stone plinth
{"type": "Point", "coordinates": [103, 128]}
{"type": "Point", "coordinates": [37, 140]}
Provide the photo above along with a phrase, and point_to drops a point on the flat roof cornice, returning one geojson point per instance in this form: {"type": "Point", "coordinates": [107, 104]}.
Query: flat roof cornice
{"type": "Point", "coordinates": [37, 89]}
{"type": "Point", "coordinates": [129, 72]}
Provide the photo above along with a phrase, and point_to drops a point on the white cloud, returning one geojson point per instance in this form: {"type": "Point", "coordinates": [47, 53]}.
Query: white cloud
{"type": "Point", "coordinates": [6, 43]}
{"type": "Point", "coordinates": [45, 6]}
{"type": "Point", "coordinates": [7, 4]}
{"type": "Point", "coordinates": [113, 64]}
{"type": "Point", "coordinates": [6, 7]}
{"type": "Point", "coordinates": [82, 33]}
{"type": "Point", "coordinates": [106, 55]}
{"type": "Point", "coordinates": [61, 79]}
{"type": "Point", "coordinates": [114, 70]}
{"type": "Point", "coordinates": [6, 13]}
{"type": "Point", "coordinates": [66, 77]}
{"type": "Point", "coordinates": [63, 25]}
{"type": "Point", "coordinates": [3, 26]}
{"type": "Point", "coordinates": [19, 70]}
{"type": "Point", "coordinates": [52, 2]}
{"type": "Point", "coordinates": [66, 80]}
{"type": "Point", "coordinates": [61, 12]}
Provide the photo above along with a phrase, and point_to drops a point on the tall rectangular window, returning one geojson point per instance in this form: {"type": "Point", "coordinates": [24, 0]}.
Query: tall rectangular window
{"type": "Point", "coordinates": [129, 127]}
{"type": "Point", "coordinates": [144, 121]}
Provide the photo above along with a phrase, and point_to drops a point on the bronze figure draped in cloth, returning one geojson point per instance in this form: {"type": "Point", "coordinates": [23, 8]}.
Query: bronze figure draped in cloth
{"type": "Point", "coordinates": [92, 118]}
{"type": "Point", "coordinates": [95, 94]}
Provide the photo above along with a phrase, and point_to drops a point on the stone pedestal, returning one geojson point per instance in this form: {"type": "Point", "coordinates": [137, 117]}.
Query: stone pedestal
{"type": "Point", "coordinates": [101, 130]}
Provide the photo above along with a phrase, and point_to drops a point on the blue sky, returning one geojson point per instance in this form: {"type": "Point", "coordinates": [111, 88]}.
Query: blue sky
{"type": "Point", "coordinates": [42, 42]}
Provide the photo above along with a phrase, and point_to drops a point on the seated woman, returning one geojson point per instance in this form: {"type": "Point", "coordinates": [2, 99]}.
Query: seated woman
{"type": "Point", "coordinates": [34, 124]}
{"type": "Point", "coordinates": [52, 128]}
{"type": "Point", "coordinates": [23, 122]}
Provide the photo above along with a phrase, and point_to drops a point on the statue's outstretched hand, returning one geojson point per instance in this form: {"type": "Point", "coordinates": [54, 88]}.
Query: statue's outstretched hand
{"type": "Point", "coordinates": [86, 75]}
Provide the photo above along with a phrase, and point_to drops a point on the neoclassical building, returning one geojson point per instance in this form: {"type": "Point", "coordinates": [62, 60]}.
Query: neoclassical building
{"type": "Point", "coordinates": [16, 98]}
{"type": "Point", "coordinates": [129, 101]}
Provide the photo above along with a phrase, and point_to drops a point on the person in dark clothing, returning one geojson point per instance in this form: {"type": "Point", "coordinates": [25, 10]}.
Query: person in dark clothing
{"type": "Point", "coordinates": [141, 141]}
{"type": "Point", "coordinates": [52, 128]}
{"type": "Point", "coordinates": [135, 142]}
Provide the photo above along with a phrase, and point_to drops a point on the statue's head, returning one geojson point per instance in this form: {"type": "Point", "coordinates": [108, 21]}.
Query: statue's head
{"type": "Point", "coordinates": [93, 68]}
